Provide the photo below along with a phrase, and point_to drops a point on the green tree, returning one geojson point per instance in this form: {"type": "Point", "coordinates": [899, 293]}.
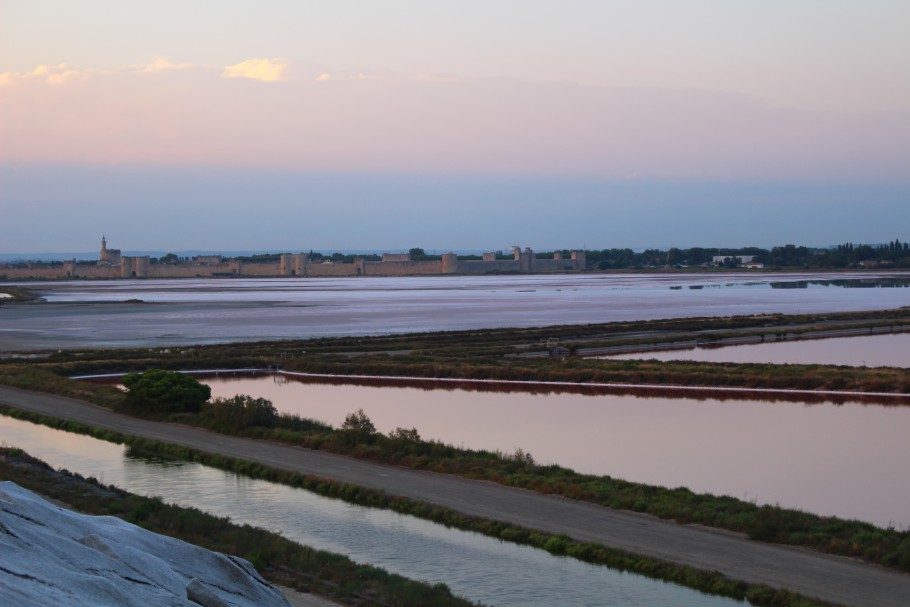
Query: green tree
{"type": "Point", "coordinates": [159, 391]}
{"type": "Point", "coordinates": [239, 412]}
{"type": "Point", "coordinates": [406, 435]}
{"type": "Point", "coordinates": [358, 423]}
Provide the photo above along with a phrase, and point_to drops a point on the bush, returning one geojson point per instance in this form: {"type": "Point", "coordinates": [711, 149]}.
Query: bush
{"type": "Point", "coordinates": [358, 423]}
{"type": "Point", "coordinates": [163, 392]}
{"type": "Point", "coordinates": [405, 435]}
{"type": "Point", "coordinates": [239, 412]}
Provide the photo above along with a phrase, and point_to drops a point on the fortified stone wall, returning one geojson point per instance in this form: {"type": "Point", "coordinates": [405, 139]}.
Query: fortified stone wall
{"type": "Point", "coordinates": [160, 270]}
{"type": "Point", "coordinates": [401, 268]}
{"type": "Point", "coordinates": [500, 266]}
{"type": "Point", "coordinates": [581, 260]}
{"type": "Point", "coordinates": [331, 269]}
{"type": "Point", "coordinates": [298, 264]}
{"type": "Point", "coordinates": [260, 270]}
{"type": "Point", "coordinates": [293, 264]}
{"type": "Point", "coordinates": [449, 263]}
{"type": "Point", "coordinates": [93, 271]}
{"type": "Point", "coordinates": [25, 272]}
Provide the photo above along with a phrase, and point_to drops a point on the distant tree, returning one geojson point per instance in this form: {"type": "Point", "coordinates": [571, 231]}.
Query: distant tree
{"type": "Point", "coordinates": [407, 435]}
{"type": "Point", "coordinates": [238, 412]}
{"type": "Point", "coordinates": [169, 258]}
{"type": "Point", "coordinates": [159, 391]}
{"type": "Point", "coordinates": [417, 253]}
{"type": "Point", "coordinates": [358, 423]}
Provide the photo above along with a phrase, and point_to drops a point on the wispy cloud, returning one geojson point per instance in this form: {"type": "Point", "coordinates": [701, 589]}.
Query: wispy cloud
{"type": "Point", "coordinates": [161, 64]}
{"type": "Point", "coordinates": [58, 74]}
{"type": "Point", "coordinates": [266, 70]}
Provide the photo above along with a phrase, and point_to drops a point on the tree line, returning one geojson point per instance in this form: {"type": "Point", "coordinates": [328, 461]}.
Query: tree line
{"type": "Point", "coordinates": [892, 254]}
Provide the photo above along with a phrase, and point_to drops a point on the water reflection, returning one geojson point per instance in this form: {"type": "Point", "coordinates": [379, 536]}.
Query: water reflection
{"type": "Point", "coordinates": [891, 350]}
{"type": "Point", "coordinates": [846, 460]}
{"type": "Point", "coordinates": [92, 313]}
{"type": "Point", "coordinates": [480, 568]}
{"type": "Point", "coordinates": [888, 282]}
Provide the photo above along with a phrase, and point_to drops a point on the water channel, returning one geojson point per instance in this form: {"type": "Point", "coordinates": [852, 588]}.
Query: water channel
{"type": "Point", "coordinates": [847, 459]}
{"type": "Point", "coordinates": [890, 350]}
{"type": "Point", "coordinates": [480, 568]}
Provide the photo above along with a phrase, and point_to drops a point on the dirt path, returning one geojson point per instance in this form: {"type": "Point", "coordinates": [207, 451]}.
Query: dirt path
{"type": "Point", "coordinates": [826, 577]}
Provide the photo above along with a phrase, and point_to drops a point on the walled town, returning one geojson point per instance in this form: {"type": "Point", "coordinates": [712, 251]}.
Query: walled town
{"type": "Point", "coordinates": [112, 264]}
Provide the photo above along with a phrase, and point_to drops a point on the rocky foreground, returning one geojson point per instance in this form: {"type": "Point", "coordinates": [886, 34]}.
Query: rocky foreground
{"type": "Point", "coordinates": [53, 556]}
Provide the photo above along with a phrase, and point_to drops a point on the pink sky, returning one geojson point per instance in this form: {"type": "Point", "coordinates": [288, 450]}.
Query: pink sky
{"type": "Point", "coordinates": [280, 114]}
{"type": "Point", "coordinates": [650, 111]}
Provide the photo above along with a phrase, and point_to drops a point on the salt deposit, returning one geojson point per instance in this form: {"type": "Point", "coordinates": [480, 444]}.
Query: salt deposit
{"type": "Point", "coordinates": [53, 556]}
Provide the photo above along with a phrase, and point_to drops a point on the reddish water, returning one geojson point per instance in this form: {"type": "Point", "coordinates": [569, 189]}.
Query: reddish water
{"type": "Point", "coordinates": [867, 350]}
{"type": "Point", "coordinates": [847, 460]}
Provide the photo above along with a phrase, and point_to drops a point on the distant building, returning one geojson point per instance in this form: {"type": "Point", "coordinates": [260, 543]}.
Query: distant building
{"type": "Point", "coordinates": [112, 264]}
{"type": "Point", "coordinates": [719, 260]}
{"type": "Point", "coordinates": [108, 257]}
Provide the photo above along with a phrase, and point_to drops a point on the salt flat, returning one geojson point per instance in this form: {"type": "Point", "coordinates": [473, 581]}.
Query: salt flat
{"type": "Point", "coordinates": [203, 311]}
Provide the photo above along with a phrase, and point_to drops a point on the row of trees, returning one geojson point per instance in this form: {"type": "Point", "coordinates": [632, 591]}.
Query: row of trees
{"type": "Point", "coordinates": [894, 253]}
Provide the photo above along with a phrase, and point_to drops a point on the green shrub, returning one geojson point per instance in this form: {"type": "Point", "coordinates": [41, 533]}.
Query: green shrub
{"type": "Point", "coordinates": [238, 413]}
{"type": "Point", "coordinates": [157, 391]}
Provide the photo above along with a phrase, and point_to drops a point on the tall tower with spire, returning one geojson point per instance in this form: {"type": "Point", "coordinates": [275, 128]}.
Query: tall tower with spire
{"type": "Point", "coordinates": [109, 257]}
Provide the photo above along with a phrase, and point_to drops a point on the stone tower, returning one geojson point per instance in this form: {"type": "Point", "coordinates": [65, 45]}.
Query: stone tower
{"type": "Point", "coordinates": [108, 256]}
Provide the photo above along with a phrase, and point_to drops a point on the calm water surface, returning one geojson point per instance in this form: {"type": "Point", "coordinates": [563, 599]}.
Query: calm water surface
{"type": "Point", "coordinates": [848, 460]}
{"type": "Point", "coordinates": [891, 350]}
{"type": "Point", "coordinates": [477, 567]}
{"type": "Point", "coordinates": [92, 313]}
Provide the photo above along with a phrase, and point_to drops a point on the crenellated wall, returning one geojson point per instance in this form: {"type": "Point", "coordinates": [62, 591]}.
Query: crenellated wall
{"type": "Point", "coordinates": [401, 268]}
{"type": "Point", "coordinates": [498, 266]}
{"type": "Point", "coordinates": [331, 269]}
{"type": "Point", "coordinates": [299, 264]}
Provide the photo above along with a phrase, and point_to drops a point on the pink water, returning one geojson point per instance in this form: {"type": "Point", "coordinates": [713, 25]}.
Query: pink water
{"type": "Point", "coordinates": [891, 350]}
{"type": "Point", "coordinates": [848, 460]}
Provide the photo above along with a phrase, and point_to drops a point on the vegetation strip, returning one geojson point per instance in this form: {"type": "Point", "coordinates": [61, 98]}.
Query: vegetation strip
{"type": "Point", "coordinates": [606, 385]}
{"type": "Point", "coordinates": [497, 354]}
{"type": "Point", "coordinates": [711, 582]}
{"type": "Point", "coordinates": [519, 382]}
{"type": "Point", "coordinates": [280, 560]}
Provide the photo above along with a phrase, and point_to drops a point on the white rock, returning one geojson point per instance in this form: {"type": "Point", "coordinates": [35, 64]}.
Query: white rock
{"type": "Point", "coordinates": [54, 556]}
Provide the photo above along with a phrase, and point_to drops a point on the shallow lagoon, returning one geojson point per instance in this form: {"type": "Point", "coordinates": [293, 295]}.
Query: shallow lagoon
{"type": "Point", "coordinates": [892, 350]}
{"type": "Point", "coordinates": [93, 313]}
{"type": "Point", "coordinates": [844, 459]}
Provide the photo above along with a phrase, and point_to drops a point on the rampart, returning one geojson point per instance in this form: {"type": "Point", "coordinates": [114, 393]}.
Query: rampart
{"type": "Point", "coordinates": [291, 264]}
{"type": "Point", "coordinates": [401, 268]}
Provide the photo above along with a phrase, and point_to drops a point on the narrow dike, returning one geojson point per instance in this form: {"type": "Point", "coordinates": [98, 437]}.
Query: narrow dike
{"type": "Point", "coordinates": [899, 396]}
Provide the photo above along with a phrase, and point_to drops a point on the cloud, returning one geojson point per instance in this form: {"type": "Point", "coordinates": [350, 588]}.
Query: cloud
{"type": "Point", "coordinates": [45, 73]}
{"type": "Point", "coordinates": [266, 70]}
{"type": "Point", "coordinates": [161, 64]}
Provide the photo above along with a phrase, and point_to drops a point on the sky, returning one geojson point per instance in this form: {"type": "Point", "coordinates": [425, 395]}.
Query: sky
{"type": "Point", "coordinates": [452, 124]}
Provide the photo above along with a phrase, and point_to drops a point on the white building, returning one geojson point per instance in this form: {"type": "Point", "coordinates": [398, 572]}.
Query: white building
{"type": "Point", "coordinates": [742, 260]}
